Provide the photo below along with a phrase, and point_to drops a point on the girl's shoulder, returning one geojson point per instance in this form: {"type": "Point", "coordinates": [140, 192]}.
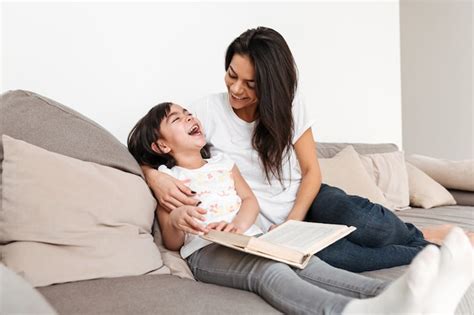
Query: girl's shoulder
{"type": "Point", "coordinates": [219, 161]}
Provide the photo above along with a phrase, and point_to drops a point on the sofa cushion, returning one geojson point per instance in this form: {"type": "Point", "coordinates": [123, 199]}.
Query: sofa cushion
{"type": "Point", "coordinates": [64, 219]}
{"type": "Point", "coordinates": [149, 294]}
{"type": "Point", "coordinates": [426, 192]}
{"type": "Point", "coordinates": [389, 172]}
{"type": "Point", "coordinates": [345, 171]}
{"type": "Point", "coordinates": [43, 122]}
{"type": "Point", "coordinates": [449, 173]}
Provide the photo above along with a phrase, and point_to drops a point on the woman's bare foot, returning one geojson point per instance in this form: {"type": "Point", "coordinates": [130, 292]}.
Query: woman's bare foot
{"type": "Point", "coordinates": [437, 233]}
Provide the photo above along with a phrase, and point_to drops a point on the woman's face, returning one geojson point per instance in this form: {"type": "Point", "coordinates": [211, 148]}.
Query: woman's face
{"type": "Point", "coordinates": [240, 82]}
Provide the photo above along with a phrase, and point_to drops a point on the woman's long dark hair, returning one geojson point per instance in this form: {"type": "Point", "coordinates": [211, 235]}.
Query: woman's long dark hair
{"type": "Point", "coordinates": [276, 79]}
{"type": "Point", "coordinates": [146, 132]}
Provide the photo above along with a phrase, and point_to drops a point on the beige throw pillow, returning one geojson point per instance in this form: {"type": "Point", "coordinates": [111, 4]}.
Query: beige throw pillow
{"type": "Point", "coordinates": [172, 259]}
{"type": "Point", "coordinates": [388, 171]}
{"type": "Point", "coordinates": [64, 219]}
{"type": "Point", "coordinates": [425, 192]}
{"type": "Point", "coordinates": [345, 171]}
{"type": "Point", "coordinates": [448, 173]}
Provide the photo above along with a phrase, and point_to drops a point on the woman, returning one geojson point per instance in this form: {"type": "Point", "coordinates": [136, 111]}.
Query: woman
{"type": "Point", "coordinates": [262, 124]}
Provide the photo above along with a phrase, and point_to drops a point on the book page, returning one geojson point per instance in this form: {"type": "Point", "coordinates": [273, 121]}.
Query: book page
{"type": "Point", "coordinates": [302, 236]}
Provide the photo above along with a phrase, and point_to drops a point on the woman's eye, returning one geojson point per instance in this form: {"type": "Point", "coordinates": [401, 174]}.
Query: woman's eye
{"type": "Point", "coordinates": [251, 85]}
{"type": "Point", "coordinates": [233, 76]}
{"type": "Point", "coordinates": [176, 119]}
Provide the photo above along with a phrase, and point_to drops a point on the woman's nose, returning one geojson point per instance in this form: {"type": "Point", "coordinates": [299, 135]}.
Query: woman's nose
{"type": "Point", "coordinates": [236, 88]}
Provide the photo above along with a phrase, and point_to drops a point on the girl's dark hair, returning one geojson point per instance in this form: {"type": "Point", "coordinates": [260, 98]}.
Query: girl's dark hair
{"type": "Point", "coordinates": [276, 79]}
{"type": "Point", "coordinates": [146, 132]}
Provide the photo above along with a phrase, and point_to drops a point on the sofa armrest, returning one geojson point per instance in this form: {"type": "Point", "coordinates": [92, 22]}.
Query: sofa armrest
{"type": "Point", "coordinates": [463, 197]}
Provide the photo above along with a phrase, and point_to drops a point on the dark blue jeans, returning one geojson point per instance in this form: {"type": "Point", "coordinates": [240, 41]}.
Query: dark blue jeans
{"type": "Point", "coordinates": [381, 240]}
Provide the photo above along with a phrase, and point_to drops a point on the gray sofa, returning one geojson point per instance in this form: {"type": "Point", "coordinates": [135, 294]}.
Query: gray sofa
{"type": "Point", "coordinates": [48, 124]}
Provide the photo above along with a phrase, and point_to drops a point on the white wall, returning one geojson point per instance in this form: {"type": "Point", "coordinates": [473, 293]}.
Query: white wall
{"type": "Point", "coordinates": [436, 59]}
{"type": "Point", "coordinates": [113, 61]}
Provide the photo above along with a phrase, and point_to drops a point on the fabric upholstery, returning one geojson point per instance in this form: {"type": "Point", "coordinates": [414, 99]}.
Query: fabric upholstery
{"type": "Point", "coordinates": [388, 170]}
{"type": "Point", "coordinates": [64, 219]}
{"type": "Point", "coordinates": [426, 192]}
{"type": "Point", "coordinates": [46, 123]}
{"type": "Point", "coordinates": [329, 149]}
{"type": "Point", "coordinates": [346, 171]}
{"type": "Point", "coordinates": [149, 294]}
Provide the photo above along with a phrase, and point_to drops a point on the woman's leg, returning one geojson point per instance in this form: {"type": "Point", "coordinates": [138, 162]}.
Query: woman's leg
{"type": "Point", "coordinates": [279, 284]}
{"type": "Point", "coordinates": [376, 225]}
{"type": "Point", "coordinates": [381, 240]}
{"type": "Point", "coordinates": [352, 257]}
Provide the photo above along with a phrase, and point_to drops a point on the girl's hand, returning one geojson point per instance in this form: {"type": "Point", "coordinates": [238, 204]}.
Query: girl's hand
{"type": "Point", "coordinates": [272, 227]}
{"type": "Point", "coordinates": [185, 218]}
{"type": "Point", "coordinates": [225, 227]}
{"type": "Point", "coordinates": [170, 192]}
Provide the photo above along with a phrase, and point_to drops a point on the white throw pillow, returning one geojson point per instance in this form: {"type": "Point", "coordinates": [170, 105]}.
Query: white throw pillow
{"type": "Point", "coordinates": [425, 192]}
{"type": "Point", "coordinates": [388, 170]}
{"type": "Point", "coordinates": [64, 219]}
{"type": "Point", "coordinates": [450, 174]}
{"type": "Point", "coordinates": [345, 171]}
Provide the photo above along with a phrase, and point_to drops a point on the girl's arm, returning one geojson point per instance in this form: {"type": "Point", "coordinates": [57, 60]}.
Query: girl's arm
{"type": "Point", "coordinates": [169, 191]}
{"type": "Point", "coordinates": [305, 149]}
{"type": "Point", "coordinates": [182, 220]}
{"type": "Point", "coordinates": [249, 208]}
{"type": "Point", "coordinates": [248, 211]}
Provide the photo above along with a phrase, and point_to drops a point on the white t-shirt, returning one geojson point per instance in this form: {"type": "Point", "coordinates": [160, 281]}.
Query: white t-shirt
{"type": "Point", "coordinates": [215, 188]}
{"type": "Point", "coordinates": [231, 135]}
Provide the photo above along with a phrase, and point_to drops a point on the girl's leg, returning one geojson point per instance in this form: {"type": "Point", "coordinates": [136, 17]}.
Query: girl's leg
{"type": "Point", "coordinates": [279, 284]}
{"type": "Point", "coordinates": [376, 225]}
{"type": "Point", "coordinates": [343, 282]}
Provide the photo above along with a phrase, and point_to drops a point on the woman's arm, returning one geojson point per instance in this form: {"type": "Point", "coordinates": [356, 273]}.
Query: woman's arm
{"type": "Point", "coordinates": [169, 191]}
{"type": "Point", "coordinates": [182, 220]}
{"type": "Point", "coordinates": [305, 149]}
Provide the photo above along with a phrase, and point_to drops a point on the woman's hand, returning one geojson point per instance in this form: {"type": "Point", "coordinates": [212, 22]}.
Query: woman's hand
{"type": "Point", "coordinates": [185, 218]}
{"type": "Point", "coordinates": [225, 227]}
{"type": "Point", "coordinates": [170, 192]}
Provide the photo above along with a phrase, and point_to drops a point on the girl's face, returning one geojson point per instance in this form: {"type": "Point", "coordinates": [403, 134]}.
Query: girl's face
{"type": "Point", "coordinates": [180, 133]}
{"type": "Point", "coordinates": [240, 82]}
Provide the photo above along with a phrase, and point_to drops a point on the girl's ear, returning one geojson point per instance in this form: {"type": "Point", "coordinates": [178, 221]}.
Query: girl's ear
{"type": "Point", "coordinates": [160, 148]}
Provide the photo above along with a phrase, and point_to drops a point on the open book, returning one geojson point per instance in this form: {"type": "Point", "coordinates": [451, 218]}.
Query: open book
{"type": "Point", "coordinates": [293, 242]}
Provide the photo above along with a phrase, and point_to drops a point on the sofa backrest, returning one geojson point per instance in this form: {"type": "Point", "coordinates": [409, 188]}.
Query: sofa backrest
{"type": "Point", "coordinates": [43, 122]}
{"type": "Point", "coordinates": [327, 150]}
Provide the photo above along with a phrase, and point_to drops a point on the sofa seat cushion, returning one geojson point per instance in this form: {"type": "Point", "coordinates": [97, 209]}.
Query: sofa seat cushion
{"type": "Point", "coordinates": [461, 216]}
{"type": "Point", "coordinates": [151, 294]}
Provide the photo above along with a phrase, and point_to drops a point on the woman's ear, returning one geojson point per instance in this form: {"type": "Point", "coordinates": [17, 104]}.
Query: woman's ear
{"type": "Point", "coordinates": [160, 148]}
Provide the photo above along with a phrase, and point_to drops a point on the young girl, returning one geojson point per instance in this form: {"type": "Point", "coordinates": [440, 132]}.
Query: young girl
{"type": "Point", "coordinates": [170, 138]}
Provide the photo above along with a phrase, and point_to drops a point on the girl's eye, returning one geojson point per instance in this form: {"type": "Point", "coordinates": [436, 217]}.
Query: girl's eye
{"type": "Point", "coordinates": [251, 85]}
{"type": "Point", "coordinates": [176, 119]}
{"type": "Point", "coordinates": [233, 76]}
